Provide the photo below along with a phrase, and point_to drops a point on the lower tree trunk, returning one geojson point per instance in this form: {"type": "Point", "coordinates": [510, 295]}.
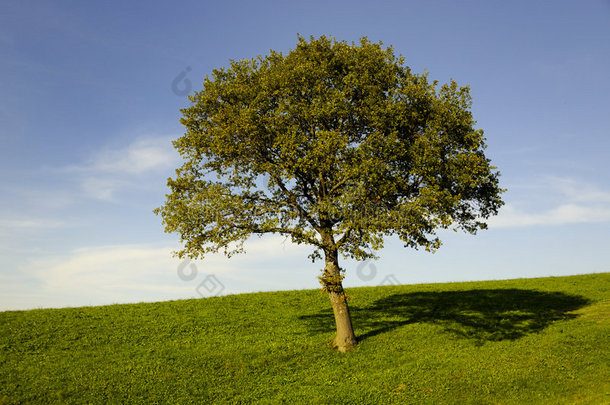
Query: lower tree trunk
{"type": "Point", "coordinates": [345, 339]}
{"type": "Point", "coordinates": [331, 280]}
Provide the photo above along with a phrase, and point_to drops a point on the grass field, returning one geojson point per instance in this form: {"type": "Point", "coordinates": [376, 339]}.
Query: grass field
{"type": "Point", "coordinates": [543, 340]}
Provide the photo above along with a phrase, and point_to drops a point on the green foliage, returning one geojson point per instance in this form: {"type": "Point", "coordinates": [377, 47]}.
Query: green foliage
{"type": "Point", "coordinates": [508, 342]}
{"type": "Point", "coordinates": [335, 145]}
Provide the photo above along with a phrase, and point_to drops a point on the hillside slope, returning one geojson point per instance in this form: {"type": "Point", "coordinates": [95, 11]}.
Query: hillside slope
{"type": "Point", "coordinates": [540, 340]}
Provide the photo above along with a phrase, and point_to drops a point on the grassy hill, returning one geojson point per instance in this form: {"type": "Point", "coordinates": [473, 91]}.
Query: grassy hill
{"type": "Point", "coordinates": [543, 340]}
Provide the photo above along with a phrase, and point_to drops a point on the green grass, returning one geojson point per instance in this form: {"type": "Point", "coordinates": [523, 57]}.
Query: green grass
{"type": "Point", "coordinates": [540, 340]}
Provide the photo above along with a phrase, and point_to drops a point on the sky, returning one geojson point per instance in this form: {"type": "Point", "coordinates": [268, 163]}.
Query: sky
{"type": "Point", "coordinates": [90, 99]}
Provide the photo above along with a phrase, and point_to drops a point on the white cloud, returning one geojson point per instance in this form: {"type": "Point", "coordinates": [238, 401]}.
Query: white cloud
{"type": "Point", "coordinates": [97, 276]}
{"type": "Point", "coordinates": [29, 224]}
{"type": "Point", "coordinates": [578, 203]}
{"type": "Point", "coordinates": [114, 169]}
{"type": "Point", "coordinates": [102, 188]}
{"type": "Point", "coordinates": [136, 273]}
{"type": "Point", "coordinates": [562, 215]}
{"type": "Point", "coordinates": [144, 155]}
{"type": "Point", "coordinates": [577, 191]}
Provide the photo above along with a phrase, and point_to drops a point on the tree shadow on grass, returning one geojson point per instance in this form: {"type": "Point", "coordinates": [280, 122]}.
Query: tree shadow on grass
{"type": "Point", "coordinates": [482, 315]}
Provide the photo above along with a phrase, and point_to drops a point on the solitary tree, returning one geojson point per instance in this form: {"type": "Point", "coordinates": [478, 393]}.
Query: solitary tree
{"type": "Point", "coordinates": [334, 145]}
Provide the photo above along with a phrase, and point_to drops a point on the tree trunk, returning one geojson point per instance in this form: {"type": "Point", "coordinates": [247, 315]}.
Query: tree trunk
{"type": "Point", "coordinates": [331, 279]}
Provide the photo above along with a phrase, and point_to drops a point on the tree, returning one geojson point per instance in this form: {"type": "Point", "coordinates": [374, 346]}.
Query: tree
{"type": "Point", "coordinates": [334, 145]}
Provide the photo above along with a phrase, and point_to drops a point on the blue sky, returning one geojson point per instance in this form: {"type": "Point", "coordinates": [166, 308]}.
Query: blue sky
{"type": "Point", "coordinates": [89, 102]}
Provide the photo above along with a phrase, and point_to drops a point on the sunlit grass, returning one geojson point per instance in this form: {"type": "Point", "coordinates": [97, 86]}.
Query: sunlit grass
{"type": "Point", "coordinates": [510, 342]}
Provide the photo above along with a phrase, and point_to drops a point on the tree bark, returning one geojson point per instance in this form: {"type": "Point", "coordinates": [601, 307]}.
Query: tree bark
{"type": "Point", "coordinates": [331, 279]}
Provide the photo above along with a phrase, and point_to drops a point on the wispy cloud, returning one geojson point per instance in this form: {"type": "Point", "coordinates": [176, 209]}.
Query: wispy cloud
{"type": "Point", "coordinates": [511, 217]}
{"type": "Point", "coordinates": [98, 275]}
{"type": "Point", "coordinates": [577, 202]}
{"type": "Point", "coordinates": [101, 275]}
{"type": "Point", "coordinates": [101, 187]}
{"type": "Point", "coordinates": [113, 169]}
{"type": "Point", "coordinates": [144, 155]}
{"type": "Point", "coordinates": [30, 224]}
{"type": "Point", "coordinates": [578, 191]}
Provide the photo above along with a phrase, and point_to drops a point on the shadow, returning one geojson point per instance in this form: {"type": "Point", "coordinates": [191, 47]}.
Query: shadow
{"type": "Point", "coordinates": [482, 315]}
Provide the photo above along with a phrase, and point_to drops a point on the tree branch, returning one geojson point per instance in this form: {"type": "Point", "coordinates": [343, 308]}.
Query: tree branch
{"type": "Point", "coordinates": [284, 231]}
{"type": "Point", "coordinates": [339, 184]}
{"type": "Point", "coordinates": [294, 203]}
{"type": "Point", "coordinates": [344, 238]}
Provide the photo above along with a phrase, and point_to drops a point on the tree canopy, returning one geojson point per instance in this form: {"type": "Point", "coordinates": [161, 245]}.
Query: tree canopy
{"type": "Point", "coordinates": [332, 144]}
